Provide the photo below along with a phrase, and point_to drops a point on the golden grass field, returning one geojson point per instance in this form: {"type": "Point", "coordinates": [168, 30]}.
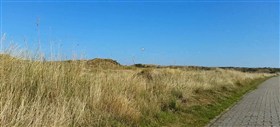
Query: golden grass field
{"type": "Point", "coordinates": [79, 93]}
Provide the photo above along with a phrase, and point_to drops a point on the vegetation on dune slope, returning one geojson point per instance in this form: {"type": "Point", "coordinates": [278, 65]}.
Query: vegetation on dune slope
{"type": "Point", "coordinates": [37, 93]}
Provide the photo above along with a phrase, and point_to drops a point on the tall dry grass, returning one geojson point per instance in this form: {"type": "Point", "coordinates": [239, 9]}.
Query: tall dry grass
{"type": "Point", "coordinates": [38, 93]}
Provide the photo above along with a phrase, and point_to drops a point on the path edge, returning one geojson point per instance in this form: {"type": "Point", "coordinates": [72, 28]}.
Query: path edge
{"type": "Point", "coordinates": [234, 104]}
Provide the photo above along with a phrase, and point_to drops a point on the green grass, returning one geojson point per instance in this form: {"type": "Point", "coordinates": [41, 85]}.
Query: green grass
{"type": "Point", "coordinates": [201, 115]}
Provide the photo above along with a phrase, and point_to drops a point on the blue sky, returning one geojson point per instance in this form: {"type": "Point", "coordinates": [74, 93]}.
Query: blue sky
{"type": "Point", "coordinates": [216, 33]}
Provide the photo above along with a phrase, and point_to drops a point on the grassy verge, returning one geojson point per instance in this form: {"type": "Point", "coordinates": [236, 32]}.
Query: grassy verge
{"type": "Point", "coordinates": [82, 93]}
{"type": "Point", "coordinates": [201, 115]}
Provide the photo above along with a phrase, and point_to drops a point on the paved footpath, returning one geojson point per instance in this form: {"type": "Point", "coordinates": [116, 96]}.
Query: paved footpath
{"type": "Point", "coordinates": [259, 108]}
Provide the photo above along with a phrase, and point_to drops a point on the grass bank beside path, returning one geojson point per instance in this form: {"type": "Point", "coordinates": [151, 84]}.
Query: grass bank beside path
{"type": "Point", "coordinates": [104, 93]}
{"type": "Point", "coordinates": [201, 115]}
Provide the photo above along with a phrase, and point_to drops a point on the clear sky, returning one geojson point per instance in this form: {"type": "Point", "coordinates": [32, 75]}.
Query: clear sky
{"type": "Point", "coordinates": [203, 33]}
